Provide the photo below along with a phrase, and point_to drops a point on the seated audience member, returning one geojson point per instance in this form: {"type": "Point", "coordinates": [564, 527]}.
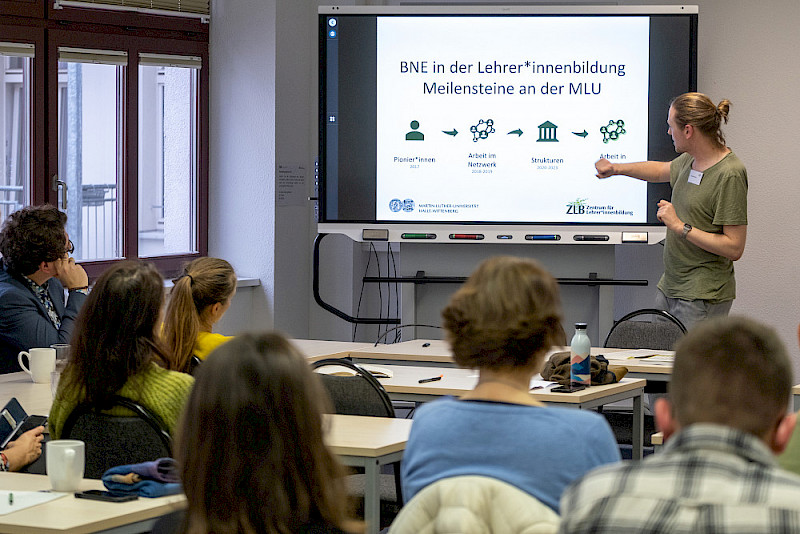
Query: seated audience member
{"type": "Point", "coordinates": [502, 322]}
{"type": "Point", "coordinates": [724, 420]}
{"type": "Point", "coordinates": [199, 298]}
{"type": "Point", "coordinates": [23, 451]}
{"type": "Point", "coordinates": [36, 269]}
{"type": "Point", "coordinates": [250, 446]}
{"type": "Point", "coordinates": [116, 351]}
{"type": "Point", "coordinates": [790, 459]}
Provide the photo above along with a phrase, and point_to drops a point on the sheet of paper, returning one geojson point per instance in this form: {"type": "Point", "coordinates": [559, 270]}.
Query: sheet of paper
{"type": "Point", "coordinates": [25, 499]}
{"type": "Point", "coordinates": [642, 355]}
{"type": "Point", "coordinates": [538, 383]}
{"type": "Point", "coordinates": [291, 185]}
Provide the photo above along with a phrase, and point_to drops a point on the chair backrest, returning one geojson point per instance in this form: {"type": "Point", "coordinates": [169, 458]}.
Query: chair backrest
{"type": "Point", "coordinates": [360, 394]}
{"type": "Point", "coordinates": [661, 334]}
{"type": "Point", "coordinates": [113, 440]}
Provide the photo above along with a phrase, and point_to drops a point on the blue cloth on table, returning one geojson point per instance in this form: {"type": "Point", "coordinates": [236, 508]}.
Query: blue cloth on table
{"type": "Point", "coordinates": [158, 478]}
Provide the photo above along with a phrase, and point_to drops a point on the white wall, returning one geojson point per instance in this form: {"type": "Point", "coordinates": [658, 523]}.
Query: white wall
{"type": "Point", "coordinates": [748, 52]}
{"type": "Point", "coordinates": [242, 145]}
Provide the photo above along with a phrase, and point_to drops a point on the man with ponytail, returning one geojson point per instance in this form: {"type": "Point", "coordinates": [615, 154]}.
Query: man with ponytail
{"type": "Point", "coordinates": [199, 298]}
{"type": "Point", "coordinates": [707, 214]}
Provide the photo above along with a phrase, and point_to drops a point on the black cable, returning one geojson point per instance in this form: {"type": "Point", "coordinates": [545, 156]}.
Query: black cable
{"type": "Point", "coordinates": [380, 291]}
{"type": "Point", "coordinates": [397, 336]}
{"type": "Point", "coordinates": [389, 331]}
{"type": "Point", "coordinates": [361, 295]}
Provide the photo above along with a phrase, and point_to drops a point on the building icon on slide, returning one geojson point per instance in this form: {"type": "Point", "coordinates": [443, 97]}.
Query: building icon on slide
{"type": "Point", "coordinates": [547, 133]}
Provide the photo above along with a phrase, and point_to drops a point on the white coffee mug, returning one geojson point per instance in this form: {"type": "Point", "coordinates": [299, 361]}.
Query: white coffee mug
{"type": "Point", "coordinates": [42, 362]}
{"type": "Point", "coordinates": [65, 463]}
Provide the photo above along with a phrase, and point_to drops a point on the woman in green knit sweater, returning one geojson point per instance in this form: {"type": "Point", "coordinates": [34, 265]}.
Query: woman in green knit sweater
{"type": "Point", "coordinates": [115, 350]}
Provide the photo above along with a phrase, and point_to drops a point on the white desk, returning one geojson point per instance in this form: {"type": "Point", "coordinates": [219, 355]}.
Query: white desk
{"type": "Point", "coordinates": [315, 349]}
{"type": "Point", "coordinates": [34, 398]}
{"type": "Point", "coordinates": [437, 353]}
{"type": "Point", "coordinates": [404, 385]}
{"type": "Point", "coordinates": [367, 442]}
{"type": "Point", "coordinates": [69, 515]}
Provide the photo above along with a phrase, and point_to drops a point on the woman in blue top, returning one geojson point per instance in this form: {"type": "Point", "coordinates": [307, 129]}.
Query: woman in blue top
{"type": "Point", "coordinates": [502, 322]}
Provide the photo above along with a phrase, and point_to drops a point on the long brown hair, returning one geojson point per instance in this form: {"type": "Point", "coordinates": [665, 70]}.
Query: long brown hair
{"type": "Point", "coordinates": [114, 336]}
{"type": "Point", "coordinates": [250, 444]}
{"type": "Point", "coordinates": [204, 282]}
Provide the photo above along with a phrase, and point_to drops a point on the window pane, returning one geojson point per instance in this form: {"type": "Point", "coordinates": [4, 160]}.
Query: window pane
{"type": "Point", "coordinates": [15, 109]}
{"type": "Point", "coordinates": [167, 160]}
{"type": "Point", "coordinates": [89, 156]}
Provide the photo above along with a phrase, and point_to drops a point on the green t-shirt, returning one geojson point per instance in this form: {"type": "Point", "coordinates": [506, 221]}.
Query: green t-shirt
{"type": "Point", "coordinates": [719, 199]}
{"type": "Point", "coordinates": [790, 458]}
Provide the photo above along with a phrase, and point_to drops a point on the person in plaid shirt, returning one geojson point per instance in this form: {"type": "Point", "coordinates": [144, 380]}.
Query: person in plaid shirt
{"type": "Point", "coordinates": [725, 420]}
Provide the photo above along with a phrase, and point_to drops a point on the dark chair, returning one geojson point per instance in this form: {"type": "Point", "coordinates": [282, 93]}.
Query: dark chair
{"type": "Point", "coordinates": [194, 363]}
{"type": "Point", "coordinates": [661, 334]}
{"type": "Point", "coordinates": [627, 333]}
{"type": "Point", "coordinates": [113, 440]}
{"type": "Point", "coordinates": [361, 394]}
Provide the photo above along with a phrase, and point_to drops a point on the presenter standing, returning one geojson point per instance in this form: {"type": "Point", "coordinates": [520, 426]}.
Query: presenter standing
{"type": "Point", "coordinates": [706, 218]}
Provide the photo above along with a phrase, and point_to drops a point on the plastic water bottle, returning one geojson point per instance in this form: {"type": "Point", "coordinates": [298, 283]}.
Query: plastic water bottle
{"type": "Point", "coordinates": [580, 362]}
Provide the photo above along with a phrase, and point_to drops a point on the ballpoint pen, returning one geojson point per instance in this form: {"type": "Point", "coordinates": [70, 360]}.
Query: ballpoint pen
{"type": "Point", "coordinates": [432, 379]}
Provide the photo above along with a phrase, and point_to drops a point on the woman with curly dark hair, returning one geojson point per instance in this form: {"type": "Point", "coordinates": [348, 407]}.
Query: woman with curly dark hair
{"type": "Point", "coordinates": [502, 322]}
{"type": "Point", "coordinates": [36, 269]}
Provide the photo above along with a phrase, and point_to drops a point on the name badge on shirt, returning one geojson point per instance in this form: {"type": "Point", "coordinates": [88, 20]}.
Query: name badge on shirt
{"type": "Point", "coordinates": [695, 177]}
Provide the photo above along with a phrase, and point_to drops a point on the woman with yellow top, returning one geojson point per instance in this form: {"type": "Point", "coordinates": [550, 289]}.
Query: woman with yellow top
{"type": "Point", "coordinates": [199, 298]}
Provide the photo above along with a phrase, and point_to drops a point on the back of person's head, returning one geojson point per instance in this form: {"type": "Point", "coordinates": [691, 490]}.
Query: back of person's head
{"type": "Point", "coordinates": [250, 443]}
{"type": "Point", "coordinates": [507, 314]}
{"type": "Point", "coordinates": [32, 235]}
{"type": "Point", "coordinates": [114, 336]}
{"type": "Point", "coordinates": [204, 282]}
{"type": "Point", "coordinates": [699, 111]}
{"type": "Point", "coordinates": [731, 371]}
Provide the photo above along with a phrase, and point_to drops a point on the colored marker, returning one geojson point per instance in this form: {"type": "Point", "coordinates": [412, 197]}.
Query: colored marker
{"type": "Point", "coordinates": [418, 236]}
{"type": "Point", "coordinates": [432, 379]}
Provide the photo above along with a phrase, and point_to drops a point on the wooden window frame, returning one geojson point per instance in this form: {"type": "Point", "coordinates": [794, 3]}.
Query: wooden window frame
{"type": "Point", "coordinates": [136, 33]}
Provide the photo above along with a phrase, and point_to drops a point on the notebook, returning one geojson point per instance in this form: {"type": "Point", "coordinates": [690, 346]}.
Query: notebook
{"type": "Point", "coordinates": [14, 421]}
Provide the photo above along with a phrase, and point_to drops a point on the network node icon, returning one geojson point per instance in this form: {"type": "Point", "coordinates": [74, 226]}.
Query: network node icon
{"type": "Point", "coordinates": [482, 129]}
{"type": "Point", "coordinates": [613, 130]}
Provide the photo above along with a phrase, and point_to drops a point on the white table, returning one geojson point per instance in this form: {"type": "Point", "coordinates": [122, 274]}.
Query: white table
{"type": "Point", "coordinates": [368, 442]}
{"type": "Point", "coordinates": [69, 515]}
{"type": "Point", "coordinates": [404, 385]}
{"type": "Point", "coordinates": [437, 353]}
{"type": "Point", "coordinates": [316, 349]}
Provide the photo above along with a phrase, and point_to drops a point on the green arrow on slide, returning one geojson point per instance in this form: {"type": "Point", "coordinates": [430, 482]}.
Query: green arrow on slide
{"type": "Point", "coordinates": [454, 132]}
{"type": "Point", "coordinates": [581, 134]}
{"type": "Point", "coordinates": [517, 131]}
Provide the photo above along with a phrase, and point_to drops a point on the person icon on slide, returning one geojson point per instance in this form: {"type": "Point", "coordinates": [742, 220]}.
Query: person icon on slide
{"type": "Point", "coordinates": [414, 135]}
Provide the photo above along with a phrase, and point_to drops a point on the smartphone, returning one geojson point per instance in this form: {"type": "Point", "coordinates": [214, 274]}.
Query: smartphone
{"type": "Point", "coordinates": [107, 496]}
{"type": "Point", "coordinates": [568, 389]}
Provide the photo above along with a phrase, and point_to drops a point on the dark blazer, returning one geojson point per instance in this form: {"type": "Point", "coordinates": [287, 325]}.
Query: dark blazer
{"type": "Point", "coordinates": [24, 322]}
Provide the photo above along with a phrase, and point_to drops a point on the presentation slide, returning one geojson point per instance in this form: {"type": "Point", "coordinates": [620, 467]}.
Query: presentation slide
{"type": "Point", "coordinates": [508, 121]}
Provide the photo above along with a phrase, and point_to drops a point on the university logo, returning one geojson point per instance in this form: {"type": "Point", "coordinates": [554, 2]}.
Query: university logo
{"type": "Point", "coordinates": [576, 207]}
